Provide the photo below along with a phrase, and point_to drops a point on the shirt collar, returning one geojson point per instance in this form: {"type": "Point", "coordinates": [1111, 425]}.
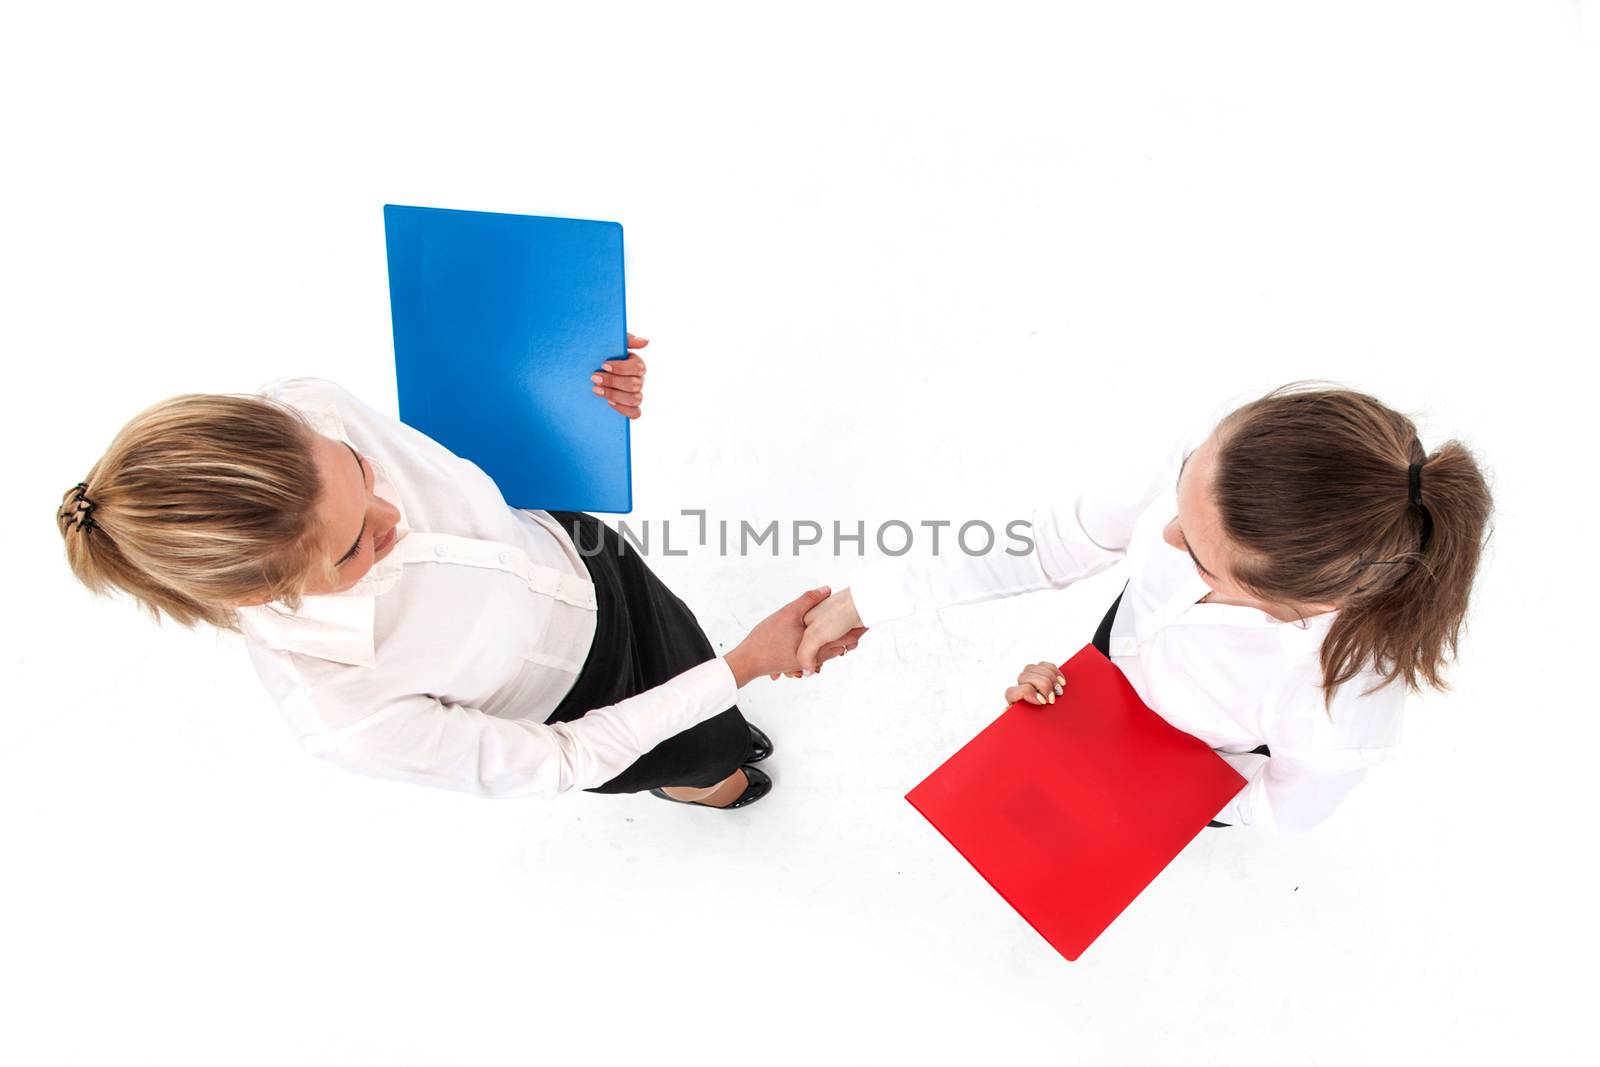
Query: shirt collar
{"type": "Point", "coordinates": [1305, 638]}
{"type": "Point", "coordinates": [335, 626]}
{"type": "Point", "coordinates": [1296, 638]}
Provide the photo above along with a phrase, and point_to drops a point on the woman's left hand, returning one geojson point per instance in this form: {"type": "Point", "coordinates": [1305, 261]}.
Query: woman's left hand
{"type": "Point", "coordinates": [1039, 683]}
{"type": "Point", "coordinates": [620, 382]}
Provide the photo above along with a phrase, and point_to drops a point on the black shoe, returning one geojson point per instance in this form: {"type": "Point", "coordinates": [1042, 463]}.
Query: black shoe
{"type": "Point", "coordinates": [757, 785]}
{"type": "Point", "coordinates": [760, 744]}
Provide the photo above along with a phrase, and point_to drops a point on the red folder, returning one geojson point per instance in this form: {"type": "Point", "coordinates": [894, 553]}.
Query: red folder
{"type": "Point", "coordinates": [1070, 809]}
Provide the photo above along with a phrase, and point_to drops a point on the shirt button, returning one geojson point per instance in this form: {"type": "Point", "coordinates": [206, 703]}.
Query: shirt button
{"type": "Point", "coordinates": [505, 557]}
{"type": "Point", "coordinates": [438, 550]}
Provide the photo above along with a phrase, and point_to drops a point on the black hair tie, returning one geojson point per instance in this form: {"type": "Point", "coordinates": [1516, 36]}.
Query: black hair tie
{"type": "Point", "coordinates": [82, 513]}
{"type": "Point", "coordinates": [1414, 494]}
{"type": "Point", "coordinates": [1415, 474]}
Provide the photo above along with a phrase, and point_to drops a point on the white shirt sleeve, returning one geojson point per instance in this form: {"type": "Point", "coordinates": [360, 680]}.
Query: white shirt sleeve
{"type": "Point", "coordinates": [1305, 780]}
{"type": "Point", "coordinates": [421, 739]}
{"type": "Point", "coordinates": [1292, 795]}
{"type": "Point", "coordinates": [1068, 541]}
{"type": "Point", "coordinates": [1293, 792]}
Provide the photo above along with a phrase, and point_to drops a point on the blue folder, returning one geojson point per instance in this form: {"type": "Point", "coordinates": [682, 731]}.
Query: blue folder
{"type": "Point", "coordinates": [499, 320]}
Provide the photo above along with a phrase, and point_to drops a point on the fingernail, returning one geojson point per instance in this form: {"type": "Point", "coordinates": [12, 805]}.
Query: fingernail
{"type": "Point", "coordinates": [596, 378]}
{"type": "Point", "coordinates": [1052, 698]}
{"type": "Point", "coordinates": [1060, 680]}
{"type": "Point", "coordinates": [599, 391]}
{"type": "Point", "coordinates": [1058, 690]}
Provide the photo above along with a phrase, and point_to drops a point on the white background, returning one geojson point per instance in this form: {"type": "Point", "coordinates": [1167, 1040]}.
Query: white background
{"type": "Point", "coordinates": [913, 263]}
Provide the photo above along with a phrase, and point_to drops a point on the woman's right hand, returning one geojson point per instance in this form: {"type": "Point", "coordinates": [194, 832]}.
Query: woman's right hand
{"type": "Point", "coordinates": [1039, 683]}
{"type": "Point", "coordinates": [826, 623]}
{"type": "Point", "coordinates": [771, 648]}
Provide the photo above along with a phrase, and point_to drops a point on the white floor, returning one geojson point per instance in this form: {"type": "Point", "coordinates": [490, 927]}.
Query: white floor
{"type": "Point", "coordinates": [918, 266]}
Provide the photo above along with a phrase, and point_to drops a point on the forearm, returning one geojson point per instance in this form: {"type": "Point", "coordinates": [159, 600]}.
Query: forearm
{"type": "Point", "coordinates": [1053, 551]}
{"type": "Point", "coordinates": [741, 664]}
{"type": "Point", "coordinates": [1289, 793]}
{"type": "Point", "coordinates": [420, 739]}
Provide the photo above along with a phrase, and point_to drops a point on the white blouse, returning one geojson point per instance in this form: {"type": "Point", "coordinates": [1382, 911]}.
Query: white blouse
{"type": "Point", "coordinates": [1232, 676]}
{"type": "Point", "coordinates": [441, 664]}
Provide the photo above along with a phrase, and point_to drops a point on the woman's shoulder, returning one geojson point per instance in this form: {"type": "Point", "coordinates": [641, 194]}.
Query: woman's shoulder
{"type": "Point", "coordinates": [304, 392]}
{"type": "Point", "coordinates": [333, 409]}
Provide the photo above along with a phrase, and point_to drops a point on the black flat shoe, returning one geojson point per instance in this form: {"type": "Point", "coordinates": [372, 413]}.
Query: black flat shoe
{"type": "Point", "coordinates": [757, 785]}
{"type": "Point", "coordinates": [760, 744]}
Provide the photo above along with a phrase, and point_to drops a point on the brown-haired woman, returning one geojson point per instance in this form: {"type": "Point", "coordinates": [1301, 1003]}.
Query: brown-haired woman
{"type": "Point", "coordinates": [1288, 564]}
{"type": "Point", "coordinates": [407, 621]}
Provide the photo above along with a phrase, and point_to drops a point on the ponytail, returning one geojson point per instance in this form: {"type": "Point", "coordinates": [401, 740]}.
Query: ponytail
{"type": "Point", "coordinates": [1331, 498]}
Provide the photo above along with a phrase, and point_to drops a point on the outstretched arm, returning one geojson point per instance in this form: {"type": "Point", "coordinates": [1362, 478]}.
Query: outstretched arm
{"type": "Point", "coordinates": [428, 741]}
{"type": "Point", "coordinates": [1066, 541]}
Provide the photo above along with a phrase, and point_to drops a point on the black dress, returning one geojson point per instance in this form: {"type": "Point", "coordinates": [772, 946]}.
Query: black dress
{"type": "Point", "coordinates": [644, 636]}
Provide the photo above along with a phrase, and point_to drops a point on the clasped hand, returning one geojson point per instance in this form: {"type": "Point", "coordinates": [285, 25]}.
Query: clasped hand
{"type": "Point", "coordinates": [789, 641]}
{"type": "Point", "coordinates": [834, 622]}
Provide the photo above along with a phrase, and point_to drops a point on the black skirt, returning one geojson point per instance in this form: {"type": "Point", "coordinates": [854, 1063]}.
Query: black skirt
{"type": "Point", "coordinates": [644, 636]}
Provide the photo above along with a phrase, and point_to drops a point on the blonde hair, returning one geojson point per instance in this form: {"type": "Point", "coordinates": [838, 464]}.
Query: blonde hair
{"type": "Point", "coordinates": [201, 502]}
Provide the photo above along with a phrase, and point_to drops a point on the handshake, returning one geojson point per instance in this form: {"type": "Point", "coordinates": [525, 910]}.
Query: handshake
{"type": "Point", "coordinates": [799, 637]}
{"type": "Point", "coordinates": [820, 624]}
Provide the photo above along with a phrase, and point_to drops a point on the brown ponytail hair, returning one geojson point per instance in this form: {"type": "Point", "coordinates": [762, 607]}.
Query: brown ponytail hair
{"type": "Point", "coordinates": [200, 502]}
{"type": "Point", "coordinates": [1313, 487]}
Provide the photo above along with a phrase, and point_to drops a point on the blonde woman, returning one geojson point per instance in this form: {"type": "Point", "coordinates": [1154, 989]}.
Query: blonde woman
{"type": "Point", "coordinates": [1296, 567]}
{"type": "Point", "coordinates": [411, 625]}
